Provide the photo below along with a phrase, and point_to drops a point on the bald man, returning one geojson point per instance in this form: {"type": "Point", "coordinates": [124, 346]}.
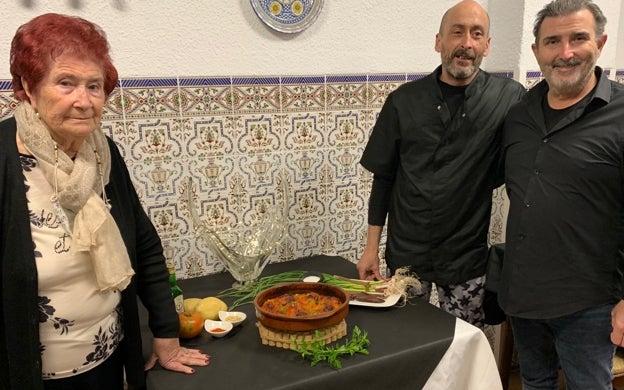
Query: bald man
{"type": "Point", "coordinates": [434, 155]}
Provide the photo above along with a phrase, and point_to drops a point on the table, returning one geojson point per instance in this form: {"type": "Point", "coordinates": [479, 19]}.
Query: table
{"type": "Point", "coordinates": [412, 347]}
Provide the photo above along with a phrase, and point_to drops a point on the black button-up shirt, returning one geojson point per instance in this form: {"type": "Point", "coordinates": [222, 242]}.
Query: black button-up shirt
{"type": "Point", "coordinates": [565, 231]}
{"type": "Point", "coordinates": [443, 171]}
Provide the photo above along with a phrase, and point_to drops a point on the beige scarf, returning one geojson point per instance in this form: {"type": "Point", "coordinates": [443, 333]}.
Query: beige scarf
{"type": "Point", "coordinates": [79, 188]}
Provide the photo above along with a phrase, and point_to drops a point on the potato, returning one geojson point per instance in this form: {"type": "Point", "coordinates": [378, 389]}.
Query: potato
{"type": "Point", "coordinates": [190, 304]}
{"type": "Point", "coordinates": [209, 308]}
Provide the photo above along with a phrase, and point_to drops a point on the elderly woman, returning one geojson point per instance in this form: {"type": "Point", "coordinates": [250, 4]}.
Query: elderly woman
{"type": "Point", "coordinates": [76, 247]}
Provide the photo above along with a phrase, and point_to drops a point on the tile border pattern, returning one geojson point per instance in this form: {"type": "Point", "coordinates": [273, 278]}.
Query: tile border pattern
{"type": "Point", "coordinates": [233, 135]}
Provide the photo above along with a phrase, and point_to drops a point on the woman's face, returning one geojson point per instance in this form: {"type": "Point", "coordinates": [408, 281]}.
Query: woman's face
{"type": "Point", "coordinates": [70, 98]}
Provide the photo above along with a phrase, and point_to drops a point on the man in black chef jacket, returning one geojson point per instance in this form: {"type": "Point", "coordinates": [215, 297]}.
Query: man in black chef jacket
{"type": "Point", "coordinates": [434, 155]}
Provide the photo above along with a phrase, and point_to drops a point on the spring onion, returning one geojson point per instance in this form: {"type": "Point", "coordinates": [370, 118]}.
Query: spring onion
{"type": "Point", "coordinates": [245, 294]}
{"type": "Point", "coordinates": [400, 283]}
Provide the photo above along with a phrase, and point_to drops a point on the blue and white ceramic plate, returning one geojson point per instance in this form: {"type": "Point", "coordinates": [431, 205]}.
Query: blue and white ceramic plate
{"type": "Point", "coordinates": [287, 16]}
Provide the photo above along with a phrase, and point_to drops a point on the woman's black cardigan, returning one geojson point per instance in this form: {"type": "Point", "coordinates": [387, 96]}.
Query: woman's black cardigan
{"type": "Point", "coordinates": [20, 359]}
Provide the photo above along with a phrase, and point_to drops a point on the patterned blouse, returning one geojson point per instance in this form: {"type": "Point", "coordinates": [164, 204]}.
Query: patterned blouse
{"type": "Point", "coordinates": [79, 326]}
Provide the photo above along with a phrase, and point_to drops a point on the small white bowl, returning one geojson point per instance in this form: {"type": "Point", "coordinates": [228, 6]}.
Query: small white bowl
{"type": "Point", "coordinates": [235, 317]}
{"type": "Point", "coordinates": [224, 327]}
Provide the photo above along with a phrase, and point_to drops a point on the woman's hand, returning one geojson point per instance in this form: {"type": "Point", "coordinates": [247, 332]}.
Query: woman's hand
{"type": "Point", "coordinates": [172, 356]}
{"type": "Point", "coordinates": [617, 322]}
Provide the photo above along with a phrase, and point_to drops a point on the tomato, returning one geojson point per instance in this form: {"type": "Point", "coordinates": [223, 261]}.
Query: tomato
{"type": "Point", "coordinates": [191, 324]}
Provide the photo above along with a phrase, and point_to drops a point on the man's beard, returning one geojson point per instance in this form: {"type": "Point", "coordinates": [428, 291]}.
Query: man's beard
{"type": "Point", "coordinates": [571, 86]}
{"type": "Point", "coordinates": [462, 73]}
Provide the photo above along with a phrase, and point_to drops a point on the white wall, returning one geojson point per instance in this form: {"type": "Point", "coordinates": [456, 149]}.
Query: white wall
{"type": "Point", "coordinates": [611, 9]}
{"type": "Point", "coordinates": [200, 37]}
{"type": "Point", "coordinates": [507, 28]}
{"type": "Point", "coordinates": [620, 51]}
{"type": "Point", "coordinates": [171, 37]}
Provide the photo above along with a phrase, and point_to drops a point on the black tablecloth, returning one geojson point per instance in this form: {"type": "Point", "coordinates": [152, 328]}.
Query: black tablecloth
{"type": "Point", "coordinates": [406, 345]}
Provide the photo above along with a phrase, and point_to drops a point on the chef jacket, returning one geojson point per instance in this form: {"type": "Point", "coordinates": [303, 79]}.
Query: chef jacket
{"type": "Point", "coordinates": [443, 169]}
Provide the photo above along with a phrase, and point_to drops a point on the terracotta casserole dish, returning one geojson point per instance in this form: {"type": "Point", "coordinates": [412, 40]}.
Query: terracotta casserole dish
{"type": "Point", "coordinates": [301, 323]}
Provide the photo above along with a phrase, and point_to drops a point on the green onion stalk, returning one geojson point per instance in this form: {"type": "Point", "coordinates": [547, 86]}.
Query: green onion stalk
{"type": "Point", "coordinates": [245, 294]}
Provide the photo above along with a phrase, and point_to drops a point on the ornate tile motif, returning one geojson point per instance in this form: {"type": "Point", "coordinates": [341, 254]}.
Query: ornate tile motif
{"type": "Point", "coordinates": [258, 134]}
{"type": "Point", "coordinates": [532, 78]}
{"type": "Point", "coordinates": [307, 204]}
{"type": "Point", "coordinates": [304, 166]}
{"type": "Point", "coordinates": [416, 76]}
{"type": "Point", "coordinates": [303, 93]}
{"type": "Point", "coordinates": [167, 221]}
{"type": "Point", "coordinates": [380, 87]}
{"type": "Point", "coordinates": [157, 155]}
{"type": "Point", "coordinates": [7, 100]}
{"type": "Point", "coordinates": [307, 235]}
{"type": "Point", "coordinates": [326, 183]}
{"type": "Point", "coordinates": [232, 136]}
{"type": "Point", "coordinates": [346, 202]}
{"type": "Point", "coordinates": [256, 94]}
{"type": "Point", "coordinates": [124, 133]}
{"type": "Point", "coordinates": [149, 97]}
{"type": "Point", "coordinates": [303, 131]}
{"type": "Point", "coordinates": [498, 219]}
{"type": "Point", "coordinates": [205, 137]}
{"type": "Point", "coordinates": [114, 108]}
{"type": "Point", "coordinates": [344, 161]}
{"type": "Point", "coordinates": [345, 129]}
{"type": "Point", "coordinates": [201, 96]}
{"type": "Point", "coordinates": [345, 92]}
{"type": "Point", "coordinates": [195, 263]}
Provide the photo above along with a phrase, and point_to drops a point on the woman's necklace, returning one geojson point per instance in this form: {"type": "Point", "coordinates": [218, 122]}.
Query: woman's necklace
{"type": "Point", "coordinates": [99, 164]}
{"type": "Point", "coordinates": [58, 210]}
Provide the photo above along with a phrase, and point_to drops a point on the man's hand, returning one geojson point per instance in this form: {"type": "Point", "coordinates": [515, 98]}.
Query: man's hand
{"type": "Point", "coordinates": [172, 356]}
{"type": "Point", "coordinates": [617, 322]}
{"type": "Point", "coordinates": [368, 266]}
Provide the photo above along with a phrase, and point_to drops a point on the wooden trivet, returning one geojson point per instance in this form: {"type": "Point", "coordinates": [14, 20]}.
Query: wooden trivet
{"type": "Point", "coordinates": [283, 339]}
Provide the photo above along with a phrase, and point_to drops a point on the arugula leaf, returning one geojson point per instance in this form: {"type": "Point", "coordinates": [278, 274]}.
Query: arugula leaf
{"type": "Point", "coordinates": [316, 350]}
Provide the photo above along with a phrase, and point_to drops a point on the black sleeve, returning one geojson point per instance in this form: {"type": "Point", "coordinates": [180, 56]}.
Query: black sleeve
{"type": "Point", "coordinates": [500, 159]}
{"type": "Point", "coordinates": [379, 201]}
{"type": "Point", "coordinates": [144, 248]}
{"type": "Point", "coordinates": [381, 154]}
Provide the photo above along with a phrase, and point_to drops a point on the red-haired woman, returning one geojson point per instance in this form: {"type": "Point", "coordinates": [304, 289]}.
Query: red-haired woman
{"type": "Point", "coordinates": [76, 247]}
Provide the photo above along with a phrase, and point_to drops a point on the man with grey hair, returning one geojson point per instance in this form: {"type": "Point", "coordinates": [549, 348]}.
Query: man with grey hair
{"type": "Point", "coordinates": [562, 282]}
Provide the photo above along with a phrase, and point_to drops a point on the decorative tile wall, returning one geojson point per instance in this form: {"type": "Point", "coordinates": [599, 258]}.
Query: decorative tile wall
{"type": "Point", "coordinates": [232, 136]}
